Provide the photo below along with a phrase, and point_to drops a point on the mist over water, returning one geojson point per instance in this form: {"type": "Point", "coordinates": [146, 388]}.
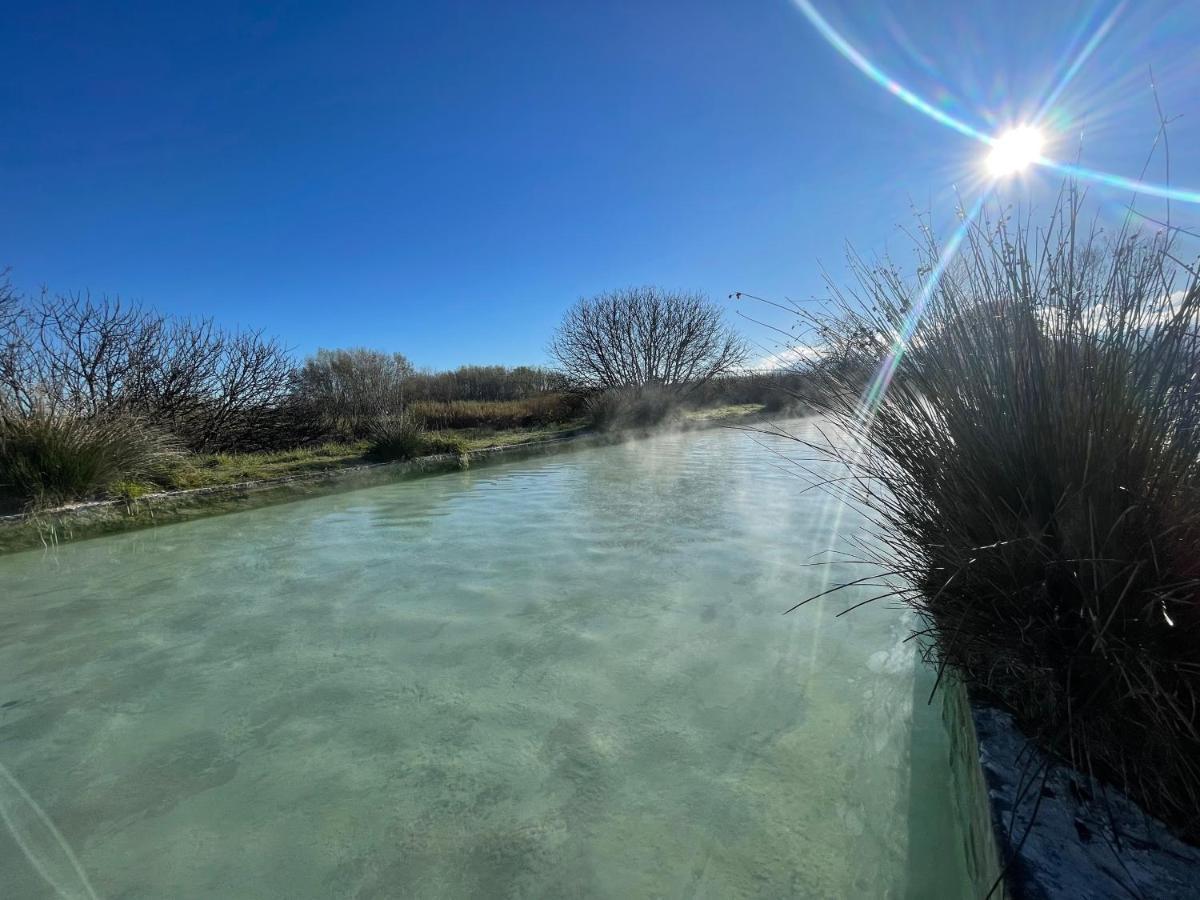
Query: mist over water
{"type": "Point", "coordinates": [560, 677]}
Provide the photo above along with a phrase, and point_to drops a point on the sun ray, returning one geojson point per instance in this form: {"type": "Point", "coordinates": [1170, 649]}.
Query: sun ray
{"type": "Point", "coordinates": [1093, 42]}
{"type": "Point", "coordinates": [876, 390]}
{"type": "Point", "coordinates": [853, 55]}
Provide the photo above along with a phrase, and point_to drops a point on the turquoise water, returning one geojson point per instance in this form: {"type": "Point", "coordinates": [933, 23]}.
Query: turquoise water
{"type": "Point", "coordinates": [564, 677]}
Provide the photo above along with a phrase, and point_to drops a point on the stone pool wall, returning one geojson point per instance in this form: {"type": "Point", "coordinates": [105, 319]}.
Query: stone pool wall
{"type": "Point", "coordinates": [1052, 831]}
{"type": "Point", "coordinates": [973, 807]}
{"type": "Point", "coordinates": [86, 520]}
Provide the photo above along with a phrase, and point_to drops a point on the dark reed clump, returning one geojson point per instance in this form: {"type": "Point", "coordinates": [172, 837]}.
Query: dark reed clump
{"type": "Point", "coordinates": [1033, 466]}
{"type": "Point", "coordinates": [402, 437]}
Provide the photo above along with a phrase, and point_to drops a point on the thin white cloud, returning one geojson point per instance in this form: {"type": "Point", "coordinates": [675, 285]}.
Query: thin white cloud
{"type": "Point", "coordinates": [786, 358]}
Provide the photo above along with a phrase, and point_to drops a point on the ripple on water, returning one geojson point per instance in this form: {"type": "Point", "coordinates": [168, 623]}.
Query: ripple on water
{"type": "Point", "coordinates": [557, 677]}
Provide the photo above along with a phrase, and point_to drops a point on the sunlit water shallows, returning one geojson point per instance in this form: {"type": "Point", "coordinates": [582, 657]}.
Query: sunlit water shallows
{"type": "Point", "coordinates": [560, 677]}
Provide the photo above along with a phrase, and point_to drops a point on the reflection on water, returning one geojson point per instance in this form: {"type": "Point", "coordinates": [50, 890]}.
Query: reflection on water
{"type": "Point", "coordinates": [550, 678]}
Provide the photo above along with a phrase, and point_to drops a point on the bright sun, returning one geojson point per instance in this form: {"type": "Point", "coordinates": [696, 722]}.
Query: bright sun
{"type": "Point", "coordinates": [1014, 151]}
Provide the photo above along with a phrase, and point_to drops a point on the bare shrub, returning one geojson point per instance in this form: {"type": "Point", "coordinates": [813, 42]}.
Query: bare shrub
{"type": "Point", "coordinates": [348, 390]}
{"type": "Point", "coordinates": [76, 355]}
{"type": "Point", "coordinates": [13, 339]}
{"type": "Point", "coordinates": [637, 337]}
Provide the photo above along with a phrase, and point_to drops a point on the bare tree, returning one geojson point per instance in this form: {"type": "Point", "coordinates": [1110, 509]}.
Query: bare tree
{"type": "Point", "coordinates": [637, 337]}
{"type": "Point", "coordinates": [10, 302]}
{"type": "Point", "coordinates": [88, 351]}
{"type": "Point", "coordinates": [14, 336]}
{"type": "Point", "coordinates": [209, 386]}
{"type": "Point", "coordinates": [347, 390]}
{"type": "Point", "coordinates": [251, 387]}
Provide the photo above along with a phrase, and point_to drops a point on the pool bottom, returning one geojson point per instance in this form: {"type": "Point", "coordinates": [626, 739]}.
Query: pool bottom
{"type": "Point", "coordinates": [553, 678]}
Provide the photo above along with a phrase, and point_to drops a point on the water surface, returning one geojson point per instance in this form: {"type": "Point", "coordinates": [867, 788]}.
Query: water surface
{"type": "Point", "coordinates": [560, 677]}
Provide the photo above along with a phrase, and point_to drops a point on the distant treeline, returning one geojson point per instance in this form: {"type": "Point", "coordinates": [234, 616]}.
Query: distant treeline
{"type": "Point", "coordinates": [218, 389]}
{"type": "Point", "coordinates": [214, 388]}
{"type": "Point", "coordinates": [94, 391]}
{"type": "Point", "coordinates": [488, 383]}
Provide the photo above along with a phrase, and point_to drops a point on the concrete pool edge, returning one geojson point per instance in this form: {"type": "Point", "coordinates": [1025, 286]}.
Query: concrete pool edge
{"type": "Point", "coordinates": [980, 840]}
{"type": "Point", "coordinates": [82, 521]}
{"type": "Point", "coordinates": [97, 518]}
{"type": "Point", "coordinates": [1037, 828]}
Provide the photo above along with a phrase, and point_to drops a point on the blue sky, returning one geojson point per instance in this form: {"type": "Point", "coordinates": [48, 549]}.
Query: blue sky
{"type": "Point", "coordinates": [443, 178]}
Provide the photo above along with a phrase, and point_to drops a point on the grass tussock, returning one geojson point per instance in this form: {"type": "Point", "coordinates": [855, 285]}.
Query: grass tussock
{"type": "Point", "coordinates": [405, 437]}
{"type": "Point", "coordinates": [47, 459]}
{"type": "Point", "coordinates": [397, 438]}
{"type": "Point", "coordinates": [1034, 466]}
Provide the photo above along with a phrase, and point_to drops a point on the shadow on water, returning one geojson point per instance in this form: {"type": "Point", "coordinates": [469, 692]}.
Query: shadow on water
{"type": "Point", "coordinates": [935, 845]}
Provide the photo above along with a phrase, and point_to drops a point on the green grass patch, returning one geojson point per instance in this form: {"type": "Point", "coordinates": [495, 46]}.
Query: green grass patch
{"type": "Point", "coordinates": [216, 469]}
{"type": "Point", "coordinates": [212, 469]}
{"type": "Point", "coordinates": [129, 491]}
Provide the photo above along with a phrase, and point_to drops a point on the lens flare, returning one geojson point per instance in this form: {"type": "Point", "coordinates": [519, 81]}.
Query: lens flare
{"type": "Point", "coordinates": [873, 396]}
{"type": "Point", "coordinates": [860, 61]}
{"type": "Point", "coordinates": [1015, 151]}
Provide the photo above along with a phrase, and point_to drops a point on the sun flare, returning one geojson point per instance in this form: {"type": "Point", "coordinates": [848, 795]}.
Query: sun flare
{"type": "Point", "coordinates": [1015, 151]}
